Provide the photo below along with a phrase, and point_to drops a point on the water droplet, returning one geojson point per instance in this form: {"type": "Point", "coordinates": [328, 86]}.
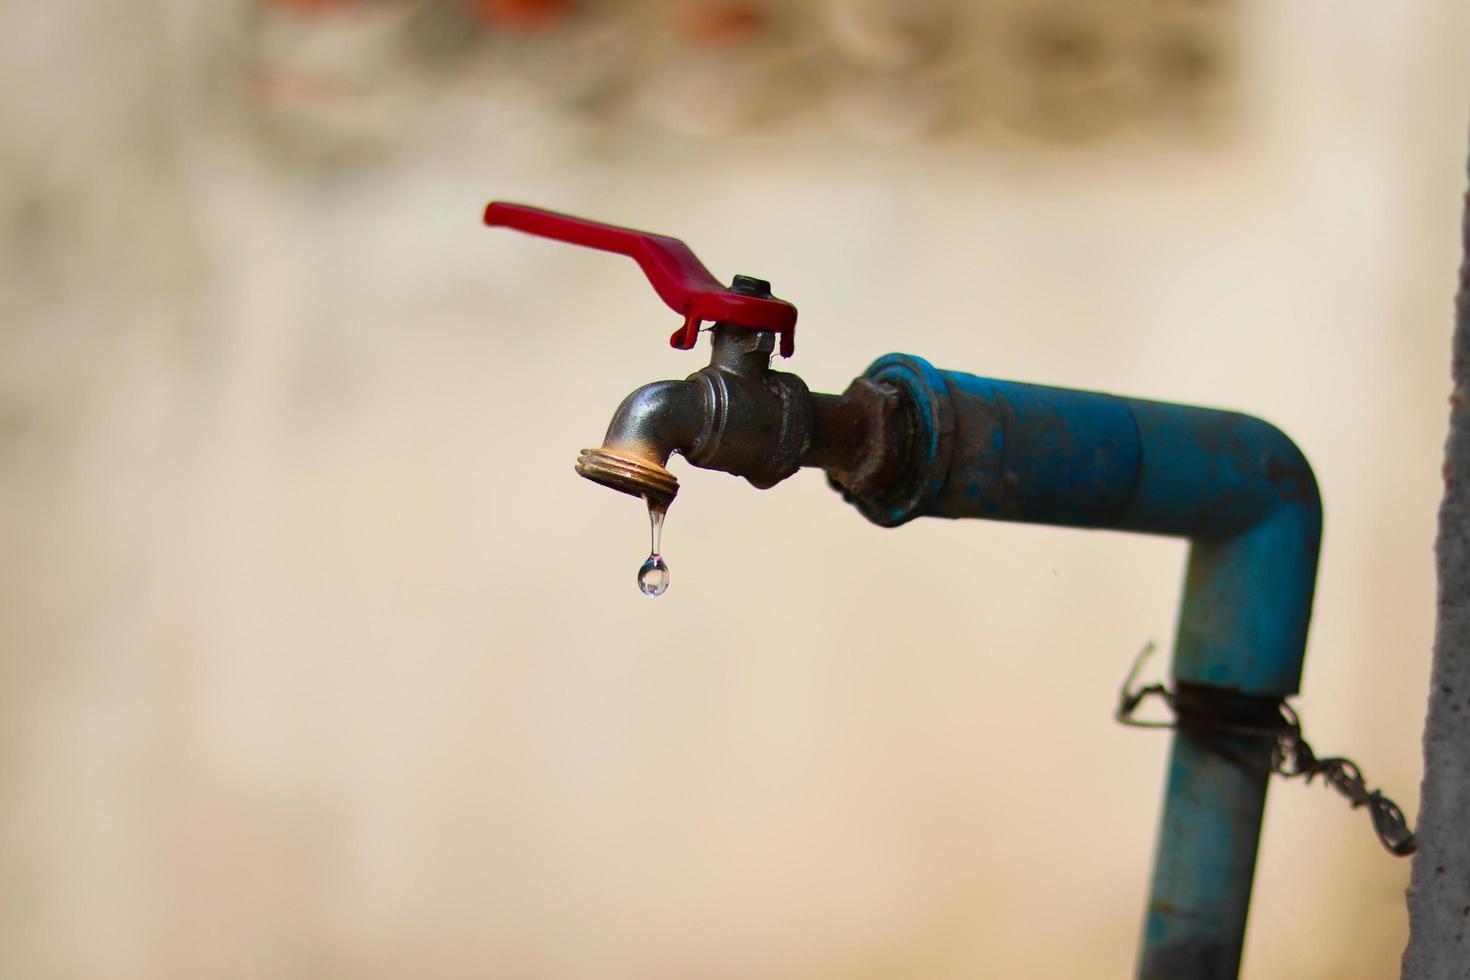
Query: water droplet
{"type": "Point", "coordinates": [653, 576]}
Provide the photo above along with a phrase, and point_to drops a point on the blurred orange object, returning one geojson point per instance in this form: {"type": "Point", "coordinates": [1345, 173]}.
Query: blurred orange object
{"type": "Point", "coordinates": [723, 23]}
{"type": "Point", "coordinates": [521, 15]}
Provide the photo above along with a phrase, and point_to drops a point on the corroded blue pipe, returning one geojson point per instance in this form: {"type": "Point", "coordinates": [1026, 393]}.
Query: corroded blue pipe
{"type": "Point", "coordinates": [1244, 496]}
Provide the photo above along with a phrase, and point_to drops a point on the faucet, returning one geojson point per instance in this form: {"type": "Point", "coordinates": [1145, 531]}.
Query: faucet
{"type": "Point", "coordinates": [908, 440]}
{"type": "Point", "coordinates": [736, 414]}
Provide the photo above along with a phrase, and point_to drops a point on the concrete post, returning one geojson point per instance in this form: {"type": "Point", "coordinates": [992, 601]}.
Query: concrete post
{"type": "Point", "coordinates": [1439, 892]}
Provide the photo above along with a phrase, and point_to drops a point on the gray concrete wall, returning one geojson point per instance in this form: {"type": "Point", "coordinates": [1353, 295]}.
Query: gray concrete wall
{"type": "Point", "coordinates": [1439, 893]}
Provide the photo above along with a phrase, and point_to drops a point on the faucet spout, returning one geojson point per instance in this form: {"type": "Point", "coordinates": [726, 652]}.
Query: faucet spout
{"type": "Point", "coordinates": [651, 424]}
{"type": "Point", "coordinates": [657, 421]}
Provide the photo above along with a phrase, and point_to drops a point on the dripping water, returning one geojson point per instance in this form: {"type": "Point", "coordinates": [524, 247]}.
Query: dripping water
{"type": "Point", "coordinates": [653, 575]}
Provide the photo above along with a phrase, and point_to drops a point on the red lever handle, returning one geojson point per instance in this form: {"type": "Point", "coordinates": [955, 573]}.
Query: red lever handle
{"type": "Point", "coordinates": [676, 273]}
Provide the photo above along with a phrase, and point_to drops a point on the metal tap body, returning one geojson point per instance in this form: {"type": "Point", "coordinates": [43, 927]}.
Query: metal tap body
{"type": "Point", "coordinates": [907, 440]}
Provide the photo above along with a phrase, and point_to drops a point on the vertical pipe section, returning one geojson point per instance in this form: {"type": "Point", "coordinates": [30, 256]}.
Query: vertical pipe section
{"type": "Point", "coordinates": [1204, 861]}
{"type": "Point", "coordinates": [1243, 495]}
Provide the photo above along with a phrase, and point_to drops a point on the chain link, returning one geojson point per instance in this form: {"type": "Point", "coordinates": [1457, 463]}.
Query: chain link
{"type": "Point", "coordinates": [1291, 755]}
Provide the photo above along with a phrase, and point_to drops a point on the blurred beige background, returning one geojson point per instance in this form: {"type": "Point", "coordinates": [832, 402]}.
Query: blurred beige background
{"type": "Point", "coordinates": [320, 662]}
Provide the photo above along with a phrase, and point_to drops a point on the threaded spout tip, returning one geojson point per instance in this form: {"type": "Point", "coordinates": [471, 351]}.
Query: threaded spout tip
{"type": "Point", "coordinates": [628, 474]}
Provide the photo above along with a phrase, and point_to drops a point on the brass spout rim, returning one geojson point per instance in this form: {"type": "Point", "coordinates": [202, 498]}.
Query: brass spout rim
{"type": "Point", "coordinates": [628, 474]}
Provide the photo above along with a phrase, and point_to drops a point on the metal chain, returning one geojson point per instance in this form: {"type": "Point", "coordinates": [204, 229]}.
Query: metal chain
{"type": "Point", "coordinates": [1291, 755]}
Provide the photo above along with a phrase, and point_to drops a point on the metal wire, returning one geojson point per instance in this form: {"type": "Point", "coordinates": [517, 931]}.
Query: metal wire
{"type": "Point", "coordinates": [1291, 754]}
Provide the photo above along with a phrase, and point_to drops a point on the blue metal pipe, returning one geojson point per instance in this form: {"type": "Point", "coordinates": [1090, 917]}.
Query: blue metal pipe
{"type": "Point", "coordinates": [1244, 496]}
